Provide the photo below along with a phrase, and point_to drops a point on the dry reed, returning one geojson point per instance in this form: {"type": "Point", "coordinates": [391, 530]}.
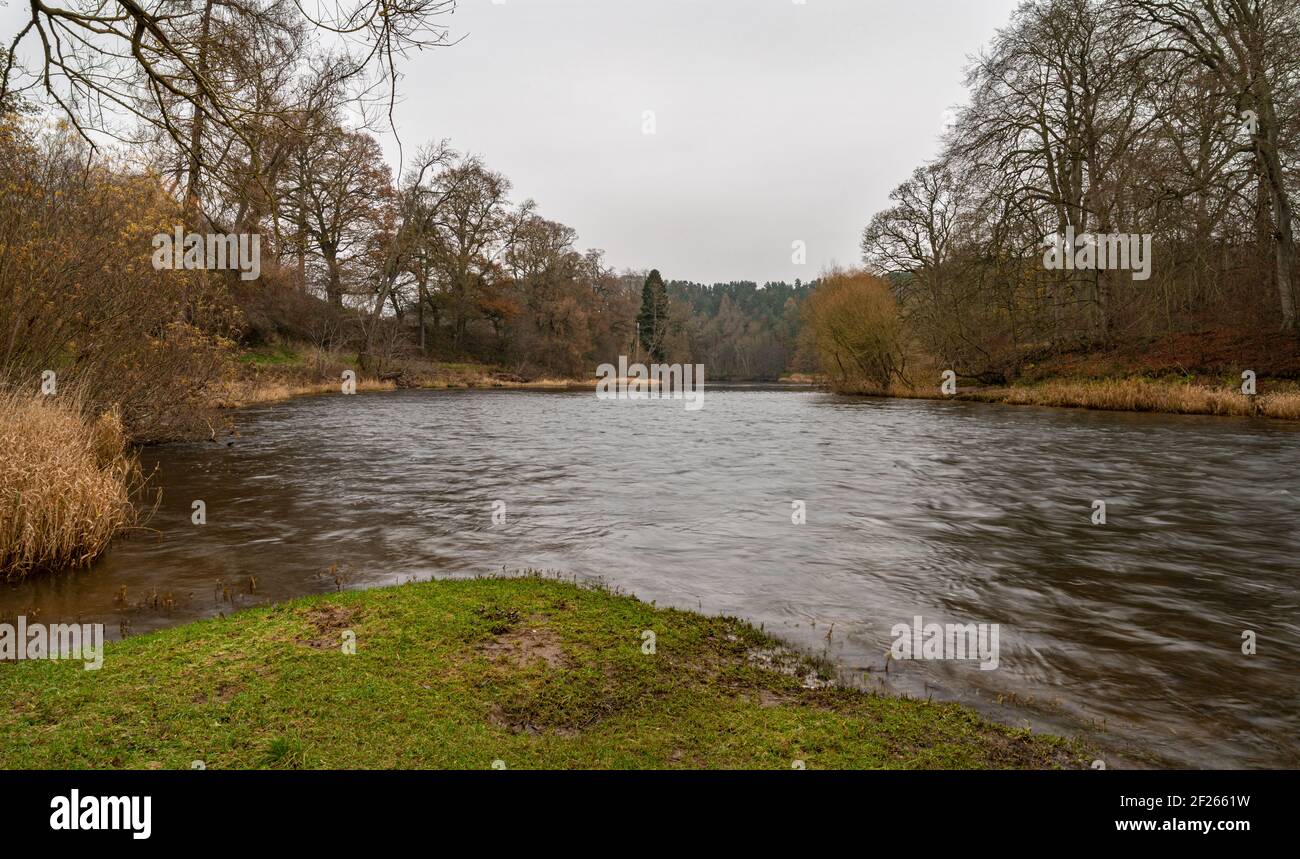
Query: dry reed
{"type": "Point", "coordinates": [67, 479]}
{"type": "Point", "coordinates": [1122, 395]}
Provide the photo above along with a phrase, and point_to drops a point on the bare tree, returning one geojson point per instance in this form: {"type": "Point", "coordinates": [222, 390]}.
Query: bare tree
{"type": "Point", "coordinates": [1252, 47]}
{"type": "Point", "coordinates": [340, 186]}
{"type": "Point", "coordinates": [172, 64]}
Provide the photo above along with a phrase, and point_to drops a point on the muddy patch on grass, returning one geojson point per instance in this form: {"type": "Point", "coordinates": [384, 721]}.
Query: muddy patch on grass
{"type": "Point", "coordinates": [1020, 751]}
{"type": "Point", "coordinates": [768, 699]}
{"type": "Point", "coordinates": [329, 622]}
{"type": "Point", "coordinates": [222, 694]}
{"type": "Point", "coordinates": [790, 663]}
{"type": "Point", "coordinates": [523, 723]}
{"type": "Point", "coordinates": [523, 647]}
{"type": "Point", "coordinates": [538, 689]}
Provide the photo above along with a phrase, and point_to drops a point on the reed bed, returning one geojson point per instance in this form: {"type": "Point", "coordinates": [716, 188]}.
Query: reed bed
{"type": "Point", "coordinates": [67, 480]}
{"type": "Point", "coordinates": [1144, 395]}
{"type": "Point", "coordinates": [1121, 395]}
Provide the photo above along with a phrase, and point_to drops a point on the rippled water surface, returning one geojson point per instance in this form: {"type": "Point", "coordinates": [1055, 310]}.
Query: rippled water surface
{"type": "Point", "coordinates": [1129, 632]}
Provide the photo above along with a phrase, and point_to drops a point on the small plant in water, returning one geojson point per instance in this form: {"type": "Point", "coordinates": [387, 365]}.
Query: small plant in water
{"type": "Point", "coordinates": [339, 575]}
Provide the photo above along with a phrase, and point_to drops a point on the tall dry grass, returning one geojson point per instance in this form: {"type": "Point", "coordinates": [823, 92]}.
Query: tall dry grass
{"type": "Point", "coordinates": [1121, 395]}
{"type": "Point", "coordinates": [271, 390]}
{"type": "Point", "coordinates": [1143, 395]}
{"type": "Point", "coordinates": [67, 479]}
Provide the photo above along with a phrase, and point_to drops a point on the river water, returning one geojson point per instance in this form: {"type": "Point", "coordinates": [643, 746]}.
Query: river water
{"type": "Point", "coordinates": [1127, 633]}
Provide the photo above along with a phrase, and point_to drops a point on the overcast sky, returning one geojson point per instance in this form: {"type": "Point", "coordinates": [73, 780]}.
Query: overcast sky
{"type": "Point", "coordinates": [774, 120]}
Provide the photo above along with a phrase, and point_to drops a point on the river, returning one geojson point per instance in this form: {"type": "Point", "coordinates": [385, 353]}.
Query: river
{"type": "Point", "coordinates": [1128, 633]}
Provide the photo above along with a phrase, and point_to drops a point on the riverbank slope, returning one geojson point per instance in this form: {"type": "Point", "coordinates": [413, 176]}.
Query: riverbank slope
{"type": "Point", "coordinates": [526, 672]}
{"type": "Point", "coordinates": [1217, 370]}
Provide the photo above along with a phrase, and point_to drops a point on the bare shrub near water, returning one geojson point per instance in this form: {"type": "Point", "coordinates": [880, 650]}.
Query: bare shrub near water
{"type": "Point", "coordinates": [67, 481]}
{"type": "Point", "coordinates": [79, 294]}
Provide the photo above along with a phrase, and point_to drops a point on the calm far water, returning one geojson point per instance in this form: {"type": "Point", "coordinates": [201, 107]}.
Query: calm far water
{"type": "Point", "coordinates": [1127, 633]}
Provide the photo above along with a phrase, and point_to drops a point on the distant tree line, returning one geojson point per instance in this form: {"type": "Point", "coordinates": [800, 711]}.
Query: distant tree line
{"type": "Point", "coordinates": [740, 330]}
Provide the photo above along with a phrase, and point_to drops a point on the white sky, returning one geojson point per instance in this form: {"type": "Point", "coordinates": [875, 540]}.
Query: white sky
{"type": "Point", "coordinates": [775, 120]}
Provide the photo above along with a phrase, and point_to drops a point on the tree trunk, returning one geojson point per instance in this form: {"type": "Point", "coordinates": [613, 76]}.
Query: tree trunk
{"type": "Point", "coordinates": [334, 289]}
{"type": "Point", "coordinates": [1284, 234]}
{"type": "Point", "coordinates": [424, 348]}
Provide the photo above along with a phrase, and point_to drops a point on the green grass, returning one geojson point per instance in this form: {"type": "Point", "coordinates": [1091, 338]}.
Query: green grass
{"type": "Point", "coordinates": [280, 355]}
{"type": "Point", "coordinates": [532, 672]}
{"type": "Point", "coordinates": [298, 356]}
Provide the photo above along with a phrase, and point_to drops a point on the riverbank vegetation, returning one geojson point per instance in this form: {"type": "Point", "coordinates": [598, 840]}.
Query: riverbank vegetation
{"type": "Point", "coordinates": [68, 483]}
{"type": "Point", "coordinates": [1147, 395]}
{"type": "Point", "coordinates": [856, 329]}
{"type": "Point", "coordinates": [1176, 123]}
{"type": "Point", "coordinates": [1179, 396]}
{"type": "Point", "coordinates": [521, 673]}
{"type": "Point", "coordinates": [284, 370]}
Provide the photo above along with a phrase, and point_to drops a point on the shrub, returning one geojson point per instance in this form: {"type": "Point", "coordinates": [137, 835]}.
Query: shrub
{"type": "Point", "coordinates": [852, 326]}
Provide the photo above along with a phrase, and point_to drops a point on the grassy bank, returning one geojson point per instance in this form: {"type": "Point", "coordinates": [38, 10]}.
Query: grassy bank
{"type": "Point", "coordinates": [66, 483]}
{"type": "Point", "coordinates": [531, 672]}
